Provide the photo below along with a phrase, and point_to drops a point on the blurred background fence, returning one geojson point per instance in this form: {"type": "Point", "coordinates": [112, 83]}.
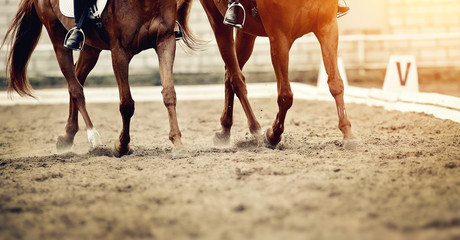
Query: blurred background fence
{"type": "Point", "coordinates": [372, 32]}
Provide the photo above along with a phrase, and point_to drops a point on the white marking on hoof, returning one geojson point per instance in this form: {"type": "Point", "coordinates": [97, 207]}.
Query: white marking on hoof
{"type": "Point", "coordinates": [94, 138]}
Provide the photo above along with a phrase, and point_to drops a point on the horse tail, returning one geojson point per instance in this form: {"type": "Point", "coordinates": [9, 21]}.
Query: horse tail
{"type": "Point", "coordinates": [25, 31]}
{"type": "Point", "coordinates": [189, 38]}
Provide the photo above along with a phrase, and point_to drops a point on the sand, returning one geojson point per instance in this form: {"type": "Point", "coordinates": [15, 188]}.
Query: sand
{"type": "Point", "coordinates": [401, 182]}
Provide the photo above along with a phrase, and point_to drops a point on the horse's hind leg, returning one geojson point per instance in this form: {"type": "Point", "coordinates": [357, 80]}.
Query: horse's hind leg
{"type": "Point", "coordinates": [328, 38]}
{"type": "Point", "coordinates": [244, 46]}
{"type": "Point", "coordinates": [86, 62]}
{"type": "Point", "coordinates": [166, 48]}
{"type": "Point", "coordinates": [279, 49]}
{"type": "Point", "coordinates": [77, 97]}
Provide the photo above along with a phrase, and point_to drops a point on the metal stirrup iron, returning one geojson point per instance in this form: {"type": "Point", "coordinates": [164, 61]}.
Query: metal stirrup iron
{"type": "Point", "coordinates": [233, 5]}
{"type": "Point", "coordinates": [70, 33]}
{"type": "Point", "coordinates": [78, 26]}
{"type": "Point", "coordinates": [343, 13]}
{"type": "Point", "coordinates": [179, 34]}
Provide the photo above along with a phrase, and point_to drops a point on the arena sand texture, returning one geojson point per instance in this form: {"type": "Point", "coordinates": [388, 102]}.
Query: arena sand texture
{"type": "Point", "coordinates": [402, 181]}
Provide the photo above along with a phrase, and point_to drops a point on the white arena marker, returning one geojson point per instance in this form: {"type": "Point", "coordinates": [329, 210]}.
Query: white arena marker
{"type": "Point", "coordinates": [401, 74]}
{"type": "Point", "coordinates": [322, 76]}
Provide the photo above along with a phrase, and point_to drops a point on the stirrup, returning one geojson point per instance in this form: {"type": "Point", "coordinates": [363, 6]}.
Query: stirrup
{"type": "Point", "coordinates": [179, 34]}
{"type": "Point", "coordinates": [82, 44]}
{"type": "Point", "coordinates": [344, 13]}
{"type": "Point", "coordinates": [237, 25]}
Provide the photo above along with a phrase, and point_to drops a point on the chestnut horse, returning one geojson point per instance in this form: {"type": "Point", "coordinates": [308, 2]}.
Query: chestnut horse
{"type": "Point", "coordinates": [128, 28]}
{"type": "Point", "coordinates": [282, 22]}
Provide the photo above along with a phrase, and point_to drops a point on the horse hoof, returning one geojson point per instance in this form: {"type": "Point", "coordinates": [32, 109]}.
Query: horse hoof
{"type": "Point", "coordinates": [179, 152]}
{"type": "Point", "coordinates": [350, 143]}
{"type": "Point", "coordinates": [119, 151]}
{"type": "Point", "coordinates": [221, 139]}
{"type": "Point", "coordinates": [62, 145]}
{"type": "Point", "coordinates": [270, 140]}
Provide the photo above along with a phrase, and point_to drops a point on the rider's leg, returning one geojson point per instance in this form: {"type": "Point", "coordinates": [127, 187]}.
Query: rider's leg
{"type": "Point", "coordinates": [231, 16]}
{"type": "Point", "coordinates": [80, 9]}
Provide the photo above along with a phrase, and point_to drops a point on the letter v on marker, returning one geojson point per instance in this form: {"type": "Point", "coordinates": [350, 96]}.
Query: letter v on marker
{"type": "Point", "coordinates": [401, 80]}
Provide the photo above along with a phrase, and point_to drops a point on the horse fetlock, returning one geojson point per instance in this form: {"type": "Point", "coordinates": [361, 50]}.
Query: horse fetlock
{"type": "Point", "coordinates": [345, 128]}
{"type": "Point", "coordinates": [226, 123]}
{"type": "Point", "coordinates": [71, 129]}
{"type": "Point", "coordinates": [94, 137]}
{"type": "Point", "coordinates": [175, 137]}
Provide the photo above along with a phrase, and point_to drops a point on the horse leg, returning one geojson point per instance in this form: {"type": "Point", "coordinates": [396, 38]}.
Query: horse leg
{"type": "Point", "coordinates": [77, 97]}
{"type": "Point", "coordinates": [328, 39]}
{"type": "Point", "coordinates": [86, 62]}
{"type": "Point", "coordinates": [224, 38]}
{"type": "Point", "coordinates": [166, 48]}
{"type": "Point", "coordinates": [279, 49]}
{"type": "Point", "coordinates": [244, 46]}
{"type": "Point", "coordinates": [226, 119]}
{"type": "Point", "coordinates": [120, 63]}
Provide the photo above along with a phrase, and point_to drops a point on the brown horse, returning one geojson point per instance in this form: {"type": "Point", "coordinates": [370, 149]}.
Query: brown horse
{"type": "Point", "coordinates": [282, 22]}
{"type": "Point", "coordinates": [129, 28]}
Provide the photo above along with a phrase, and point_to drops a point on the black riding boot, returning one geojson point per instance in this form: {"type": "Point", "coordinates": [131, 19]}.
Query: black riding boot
{"type": "Point", "coordinates": [231, 16]}
{"type": "Point", "coordinates": [80, 12]}
{"type": "Point", "coordinates": [74, 40]}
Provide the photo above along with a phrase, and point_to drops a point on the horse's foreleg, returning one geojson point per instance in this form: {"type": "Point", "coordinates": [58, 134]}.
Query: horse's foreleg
{"type": "Point", "coordinates": [279, 49]}
{"type": "Point", "coordinates": [226, 119]}
{"type": "Point", "coordinates": [244, 46]}
{"type": "Point", "coordinates": [328, 38]}
{"type": "Point", "coordinates": [166, 48]}
{"type": "Point", "coordinates": [227, 50]}
{"type": "Point", "coordinates": [86, 62]}
{"type": "Point", "coordinates": [234, 77]}
{"type": "Point", "coordinates": [120, 62]}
